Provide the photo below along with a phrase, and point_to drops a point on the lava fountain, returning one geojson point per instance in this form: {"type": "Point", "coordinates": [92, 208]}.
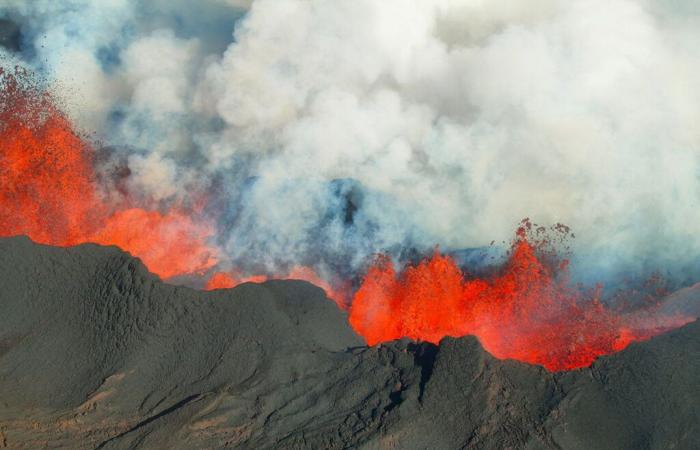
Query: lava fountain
{"type": "Point", "coordinates": [527, 310]}
{"type": "Point", "coordinates": [48, 191]}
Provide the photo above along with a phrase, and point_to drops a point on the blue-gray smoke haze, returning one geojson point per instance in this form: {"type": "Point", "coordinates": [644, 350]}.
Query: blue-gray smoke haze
{"type": "Point", "coordinates": [327, 131]}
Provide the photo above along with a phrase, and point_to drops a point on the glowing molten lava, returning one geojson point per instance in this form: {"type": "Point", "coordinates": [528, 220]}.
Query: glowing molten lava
{"type": "Point", "coordinates": [225, 280]}
{"type": "Point", "coordinates": [48, 191]}
{"type": "Point", "coordinates": [526, 312]}
{"type": "Point", "coordinates": [179, 244]}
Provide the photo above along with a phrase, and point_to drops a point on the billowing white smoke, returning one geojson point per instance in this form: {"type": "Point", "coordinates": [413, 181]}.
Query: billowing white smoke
{"type": "Point", "coordinates": [443, 121]}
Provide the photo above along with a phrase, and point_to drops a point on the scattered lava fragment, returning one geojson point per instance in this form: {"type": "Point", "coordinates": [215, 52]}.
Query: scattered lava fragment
{"type": "Point", "coordinates": [528, 311]}
{"type": "Point", "coordinates": [48, 190]}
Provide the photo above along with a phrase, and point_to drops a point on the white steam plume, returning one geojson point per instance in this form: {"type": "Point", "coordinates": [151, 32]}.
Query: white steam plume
{"type": "Point", "coordinates": [448, 120]}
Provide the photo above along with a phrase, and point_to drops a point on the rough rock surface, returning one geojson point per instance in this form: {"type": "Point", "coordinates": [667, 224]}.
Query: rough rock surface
{"type": "Point", "coordinates": [95, 352]}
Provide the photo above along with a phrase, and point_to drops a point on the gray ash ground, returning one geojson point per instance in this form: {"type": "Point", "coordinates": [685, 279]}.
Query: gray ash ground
{"type": "Point", "coordinates": [95, 352]}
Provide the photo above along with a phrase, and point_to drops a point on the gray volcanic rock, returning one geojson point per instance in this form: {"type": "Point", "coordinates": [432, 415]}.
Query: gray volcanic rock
{"type": "Point", "coordinates": [96, 352]}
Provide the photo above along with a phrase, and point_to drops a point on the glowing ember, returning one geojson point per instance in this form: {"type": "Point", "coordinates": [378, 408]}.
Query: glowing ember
{"type": "Point", "coordinates": [527, 312]}
{"type": "Point", "coordinates": [48, 191]}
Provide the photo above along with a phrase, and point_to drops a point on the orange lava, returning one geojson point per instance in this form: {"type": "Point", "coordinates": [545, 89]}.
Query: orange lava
{"type": "Point", "coordinates": [168, 244]}
{"type": "Point", "coordinates": [226, 280]}
{"type": "Point", "coordinates": [527, 312]}
{"type": "Point", "coordinates": [48, 191]}
{"type": "Point", "coordinates": [337, 294]}
{"type": "Point", "coordinates": [46, 186]}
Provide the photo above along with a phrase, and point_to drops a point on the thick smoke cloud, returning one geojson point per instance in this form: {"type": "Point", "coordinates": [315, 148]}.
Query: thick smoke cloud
{"type": "Point", "coordinates": [324, 132]}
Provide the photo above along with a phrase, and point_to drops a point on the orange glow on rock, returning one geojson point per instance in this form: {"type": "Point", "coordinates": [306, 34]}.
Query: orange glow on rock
{"type": "Point", "coordinates": [226, 280]}
{"type": "Point", "coordinates": [338, 295]}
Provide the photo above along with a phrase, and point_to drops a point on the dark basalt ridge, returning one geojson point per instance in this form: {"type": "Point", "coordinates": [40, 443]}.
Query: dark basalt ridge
{"type": "Point", "coordinates": [96, 352]}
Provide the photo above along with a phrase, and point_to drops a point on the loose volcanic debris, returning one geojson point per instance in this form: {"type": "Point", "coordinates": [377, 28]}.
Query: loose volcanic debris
{"type": "Point", "coordinates": [96, 352]}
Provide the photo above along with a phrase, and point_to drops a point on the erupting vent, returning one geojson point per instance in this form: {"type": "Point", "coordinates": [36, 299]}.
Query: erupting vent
{"type": "Point", "coordinates": [527, 311]}
{"type": "Point", "coordinates": [48, 191]}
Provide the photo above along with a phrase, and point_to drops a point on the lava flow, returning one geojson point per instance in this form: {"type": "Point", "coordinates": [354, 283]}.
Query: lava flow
{"type": "Point", "coordinates": [48, 191]}
{"type": "Point", "coordinates": [528, 311]}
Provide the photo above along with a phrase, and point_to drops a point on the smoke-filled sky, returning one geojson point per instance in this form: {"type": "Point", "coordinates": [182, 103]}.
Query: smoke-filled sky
{"type": "Point", "coordinates": [322, 132]}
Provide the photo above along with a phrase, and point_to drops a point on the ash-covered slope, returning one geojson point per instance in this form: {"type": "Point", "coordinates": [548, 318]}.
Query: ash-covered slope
{"type": "Point", "coordinates": [97, 352]}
